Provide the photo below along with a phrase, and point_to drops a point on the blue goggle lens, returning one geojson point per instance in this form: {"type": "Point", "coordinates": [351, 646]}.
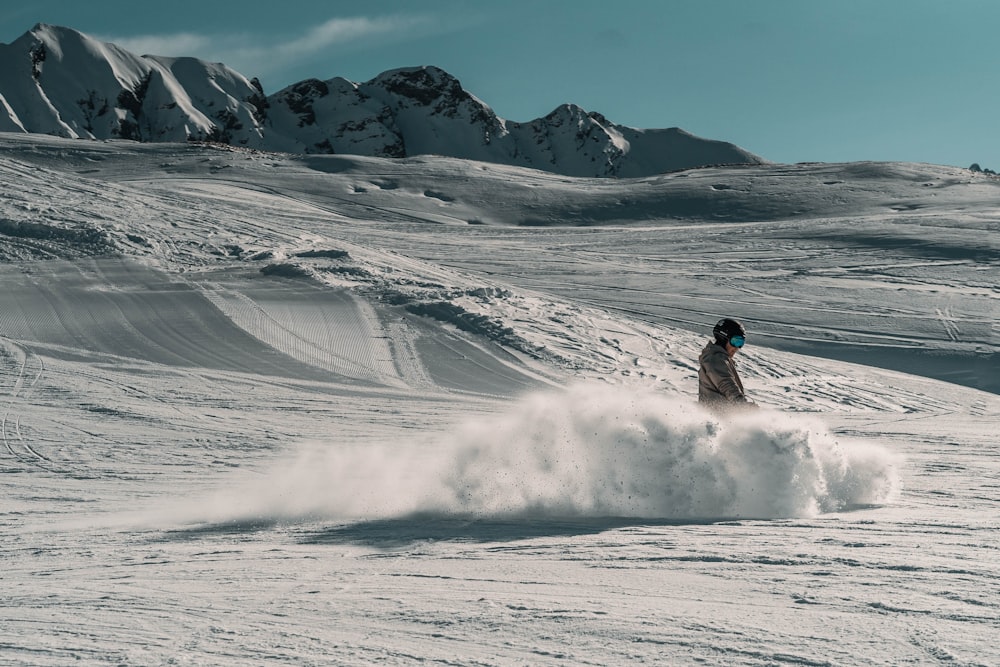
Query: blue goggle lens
{"type": "Point", "coordinates": [737, 341]}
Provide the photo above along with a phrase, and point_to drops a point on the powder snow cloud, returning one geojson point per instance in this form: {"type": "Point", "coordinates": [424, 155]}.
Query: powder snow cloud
{"type": "Point", "coordinates": [589, 451]}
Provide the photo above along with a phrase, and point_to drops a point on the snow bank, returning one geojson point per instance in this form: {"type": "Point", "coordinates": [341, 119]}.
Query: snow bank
{"type": "Point", "coordinates": [592, 450]}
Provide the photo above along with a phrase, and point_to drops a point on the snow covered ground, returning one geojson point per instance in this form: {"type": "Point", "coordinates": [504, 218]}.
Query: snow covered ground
{"type": "Point", "coordinates": [265, 409]}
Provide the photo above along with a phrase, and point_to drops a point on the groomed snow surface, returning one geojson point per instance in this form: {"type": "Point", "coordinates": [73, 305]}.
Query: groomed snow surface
{"type": "Point", "coordinates": [265, 409]}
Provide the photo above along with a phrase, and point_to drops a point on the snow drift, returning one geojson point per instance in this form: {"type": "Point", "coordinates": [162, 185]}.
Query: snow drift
{"type": "Point", "coordinates": [589, 451]}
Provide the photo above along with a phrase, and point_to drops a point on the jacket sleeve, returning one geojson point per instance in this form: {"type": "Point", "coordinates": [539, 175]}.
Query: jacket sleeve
{"type": "Point", "coordinates": [721, 373]}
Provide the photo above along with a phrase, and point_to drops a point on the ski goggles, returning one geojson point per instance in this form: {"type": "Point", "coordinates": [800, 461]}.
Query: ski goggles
{"type": "Point", "coordinates": [738, 341]}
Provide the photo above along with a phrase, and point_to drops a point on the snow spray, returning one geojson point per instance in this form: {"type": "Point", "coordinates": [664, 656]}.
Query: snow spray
{"type": "Point", "coordinates": [587, 451]}
{"type": "Point", "coordinates": [611, 451]}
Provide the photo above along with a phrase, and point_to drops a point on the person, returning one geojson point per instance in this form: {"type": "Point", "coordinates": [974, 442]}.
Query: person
{"type": "Point", "coordinates": [719, 384]}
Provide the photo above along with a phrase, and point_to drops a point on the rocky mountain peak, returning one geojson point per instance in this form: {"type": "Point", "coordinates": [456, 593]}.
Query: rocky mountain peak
{"type": "Point", "coordinates": [422, 85]}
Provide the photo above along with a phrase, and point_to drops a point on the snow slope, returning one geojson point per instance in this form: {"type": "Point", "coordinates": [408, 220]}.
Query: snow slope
{"type": "Point", "coordinates": [274, 409]}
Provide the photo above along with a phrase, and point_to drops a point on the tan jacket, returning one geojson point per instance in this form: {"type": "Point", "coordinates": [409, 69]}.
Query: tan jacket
{"type": "Point", "coordinates": [718, 380]}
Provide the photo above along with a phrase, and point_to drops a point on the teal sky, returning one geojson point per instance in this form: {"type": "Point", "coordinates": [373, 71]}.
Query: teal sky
{"type": "Point", "coordinates": [790, 80]}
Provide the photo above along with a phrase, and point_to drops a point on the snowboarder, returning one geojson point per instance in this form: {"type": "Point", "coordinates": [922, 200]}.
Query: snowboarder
{"type": "Point", "coordinates": [719, 384]}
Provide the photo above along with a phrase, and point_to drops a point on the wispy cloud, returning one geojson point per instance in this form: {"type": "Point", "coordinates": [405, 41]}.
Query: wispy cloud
{"type": "Point", "coordinates": [187, 44]}
{"type": "Point", "coordinates": [339, 31]}
{"type": "Point", "coordinates": [255, 54]}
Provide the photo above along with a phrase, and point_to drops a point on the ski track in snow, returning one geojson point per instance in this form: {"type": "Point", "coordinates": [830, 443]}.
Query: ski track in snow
{"type": "Point", "coordinates": [204, 464]}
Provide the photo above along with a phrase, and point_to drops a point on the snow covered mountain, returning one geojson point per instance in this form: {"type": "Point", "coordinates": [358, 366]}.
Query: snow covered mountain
{"type": "Point", "coordinates": [58, 81]}
{"type": "Point", "coordinates": [424, 110]}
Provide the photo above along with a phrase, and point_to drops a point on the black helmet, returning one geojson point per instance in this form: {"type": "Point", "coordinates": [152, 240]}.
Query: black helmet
{"type": "Point", "coordinates": [726, 329]}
